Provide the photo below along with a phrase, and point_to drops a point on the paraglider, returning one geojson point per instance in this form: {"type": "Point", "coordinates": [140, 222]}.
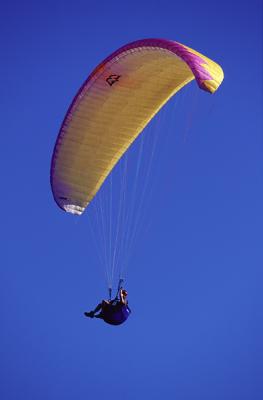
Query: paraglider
{"type": "Point", "coordinates": [113, 312]}
{"type": "Point", "coordinates": [112, 108]}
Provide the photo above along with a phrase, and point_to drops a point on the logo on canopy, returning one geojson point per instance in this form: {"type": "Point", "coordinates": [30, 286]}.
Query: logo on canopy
{"type": "Point", "coordinates": [112, 79]}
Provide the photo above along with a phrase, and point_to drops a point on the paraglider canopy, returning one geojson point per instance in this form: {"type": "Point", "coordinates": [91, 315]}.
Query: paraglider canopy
{"type": "Point", "coordinates": [113, 106]}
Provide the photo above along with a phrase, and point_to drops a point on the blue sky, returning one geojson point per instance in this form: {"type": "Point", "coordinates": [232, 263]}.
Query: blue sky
{"type": "Point", "coordinates": [195, 275]}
